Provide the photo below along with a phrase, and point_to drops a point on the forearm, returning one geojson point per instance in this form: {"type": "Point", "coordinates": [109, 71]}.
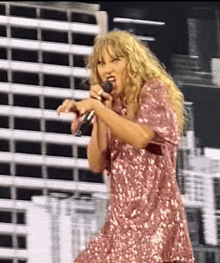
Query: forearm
{"type": "Point", "coordinates": [96, 150]}
{"type": "Point", "coordinates": [127, 131]}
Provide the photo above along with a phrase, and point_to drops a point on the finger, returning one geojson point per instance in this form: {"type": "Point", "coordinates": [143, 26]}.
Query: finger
{"type": "Point", "coordinates": [70, 106]}
{"type": "Point", "coordinates": [95, 95]}
{"type": "Point", "coordinates": [100, 92]}
{"type": "Point", "coordinates": [67, 106]}
{"type": "Point", "coordinates": [82, 111]}
{"type": "Point", "coordinates": [60, 109]}
{"type": "Point", "coordinates": [62, 106]}
{"type": "Point", "coordinates": [75, 125]}
{"type": "Point", "coordinates": [106, 96]}
{"type": "Point", "coordinates": [97, 89]}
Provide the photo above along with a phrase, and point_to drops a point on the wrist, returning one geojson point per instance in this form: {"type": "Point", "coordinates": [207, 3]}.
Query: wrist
{"type": "Point", "coordinates": [96, 104]}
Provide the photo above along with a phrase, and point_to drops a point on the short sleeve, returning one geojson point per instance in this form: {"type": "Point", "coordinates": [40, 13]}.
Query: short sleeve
{"type": "Point", "coordinates": [156, 112]}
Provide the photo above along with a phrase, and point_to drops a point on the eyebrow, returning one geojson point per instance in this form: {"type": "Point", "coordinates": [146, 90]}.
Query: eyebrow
{"type": "Point", "coordinates": [113, 57]}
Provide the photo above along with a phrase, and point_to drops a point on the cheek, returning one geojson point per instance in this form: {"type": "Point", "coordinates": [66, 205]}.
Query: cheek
{"type": "Point", "coordinates": [99, 70]}
{"type": "Point", "coordinates": [124, 73]}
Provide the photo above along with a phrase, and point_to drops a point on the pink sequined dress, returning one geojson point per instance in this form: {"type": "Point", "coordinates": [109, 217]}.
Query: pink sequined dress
{"type": "Point", "coordinates": [146, 221]}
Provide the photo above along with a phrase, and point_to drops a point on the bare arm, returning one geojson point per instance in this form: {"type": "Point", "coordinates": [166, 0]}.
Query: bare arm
{"type": "Point", "coordinates": [97, 148]}
{"type": "Point", "coordinates": [127, 131]}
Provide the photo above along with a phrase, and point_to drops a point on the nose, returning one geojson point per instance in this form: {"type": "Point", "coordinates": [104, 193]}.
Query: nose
{"type": "Point", "coordinates": [108, 68]}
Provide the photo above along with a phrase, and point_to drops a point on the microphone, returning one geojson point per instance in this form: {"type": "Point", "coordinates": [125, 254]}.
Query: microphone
{"type": "Point", "coordinates": [84, 124]}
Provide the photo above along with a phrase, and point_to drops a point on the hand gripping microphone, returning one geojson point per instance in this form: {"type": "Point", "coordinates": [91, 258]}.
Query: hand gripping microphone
{"type": "Point", "coordinates": [84, 124]}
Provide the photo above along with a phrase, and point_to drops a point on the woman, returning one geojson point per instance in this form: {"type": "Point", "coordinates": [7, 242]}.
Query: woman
{"type": "Point", "coordinates": [134, 140]}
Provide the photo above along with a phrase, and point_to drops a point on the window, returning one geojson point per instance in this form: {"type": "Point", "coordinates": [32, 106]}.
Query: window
{"type": "Point", "coordinates": [26, 101]}
{"type": "Point", "coordinates": [88, 176]}
{"type": "Point", "coordinates": [83, 18]}
{"type": "Point", "coordinates": [4, 145]}
{"type": "Point", "coordinates": [22, 242]}
{"type": "Point", "coordinates": [196, 254]}
{"type": "Point", "coordinates": [193, 237]}
{"type": "Point", "coordinates": [27, 124]}
{"type": "Point", "coordinates": [193, 224]}
{"type": "Point", "coordinates": [209, 257]}
{"type": "Point", "coordinates": [3, 98]}
{"type": "Point", "coordinates": [217, 202]}
{"type": "Point", "coordinates": [5, 168]}
{"type": "Point", "coordinates": [5, 217]}
{"type": "Point", "coordinates": [3, 75]}
{"type": "Point", "coordinates": [53, 15]}
{"type": "Point", "coordinates": [28, 147]}
{"type": "Point", "coordinates": [218, 228]}
{"type": "Point", "coordinates": [28, 171]}
{"type": "Point", "coordinates": [25, 78]}
{"type": "Point", "coordinates": [79, 39]}
{"type": "Point", "coordinates": [180, 159]}
{"type": "Point", "coordinates": [216, 183]}
{"type": "Point", "coordinates": [82, 152]}
{"type": "Point", "coordinates": [21, 218]}
{"type": "Point", "coordinates": [5, 192]}
{"type": "Point", "coordinates": [3, 53]}
{"type": "Point", "coordinates": [3, 31]}
{"type": "Point", "coordinates": [26, 194]}
{"type": "Point", "coordinates": [60, 173]}
{"type": "Point", "coordinates": [81, 83]}
{"type": "Point", "coordinates": [23, 11]}
{"type": "Point", "coordinates": [5, 241]}
{"type": "Point", "coordinates": [79, 61]}
{"type": "Point", "coordinates": [59, 150]}
{"type": "Point", "coordinates": [191, 216]}
{"type": "Point", "coordinates": [54, 36]}
{"type": "Point", "coordinates": [58, 127]}
{"type": "Point", "coordinates": [24, 55]}
{"type": "Point", "coordinates": [55, 58]}
{"type": "Point", "coordinates": [85, 195]}
{"type": "Point", "coordinates": [24, 33]}
{"type": "Point", "coordinates": [52, 103]}
{"type": "Point", "coordinates": [2, 9]}
{"type": "Point", "coordinates": [56, 81]}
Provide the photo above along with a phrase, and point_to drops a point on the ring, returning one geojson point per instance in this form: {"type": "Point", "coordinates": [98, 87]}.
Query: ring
{"type": "Point", "coordinates": [100, 92]}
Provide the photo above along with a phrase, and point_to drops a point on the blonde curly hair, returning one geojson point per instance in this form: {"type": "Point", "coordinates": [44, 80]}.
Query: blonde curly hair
{"type": "Point", "coordinates": [142, 65]}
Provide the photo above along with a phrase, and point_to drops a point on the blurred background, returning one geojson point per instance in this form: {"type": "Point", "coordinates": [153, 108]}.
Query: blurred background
{"type": "Point", "coordinates": [50, 202]}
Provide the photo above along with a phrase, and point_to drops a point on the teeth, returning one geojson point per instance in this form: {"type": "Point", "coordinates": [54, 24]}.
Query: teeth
{"type": "Point", "coordinates": [111, 78]}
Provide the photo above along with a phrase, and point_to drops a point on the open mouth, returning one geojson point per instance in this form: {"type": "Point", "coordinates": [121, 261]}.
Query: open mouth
{"type": "Point", "coordinates": [111, 79]}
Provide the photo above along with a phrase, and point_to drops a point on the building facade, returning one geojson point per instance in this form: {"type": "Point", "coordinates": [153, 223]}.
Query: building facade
{"type": "Point", "coordinates": [59, 226]}
{"type": "Point", "coordinates": [198, 175]}
{"type": "Point", "coordinates": [43, 47]}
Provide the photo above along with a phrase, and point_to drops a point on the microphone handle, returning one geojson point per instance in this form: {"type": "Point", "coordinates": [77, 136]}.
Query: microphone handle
{"type": "Point", "coordinates": [107, 86]}
{"type": "Point", "coordinates": [85, 123]}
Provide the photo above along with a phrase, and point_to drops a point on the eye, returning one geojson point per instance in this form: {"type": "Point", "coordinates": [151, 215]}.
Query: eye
{"type": "Point", "coordinates": [100, 62]}
{"type": "Point", "coordinates": [116, 59]}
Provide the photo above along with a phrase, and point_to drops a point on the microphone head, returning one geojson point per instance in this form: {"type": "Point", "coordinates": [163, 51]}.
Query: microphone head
{"type": "Point", "coordinates": [107, 86]}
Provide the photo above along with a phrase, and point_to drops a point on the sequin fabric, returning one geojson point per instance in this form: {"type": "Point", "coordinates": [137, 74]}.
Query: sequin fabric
{"type": "Point", "coordinates": [146, 220]}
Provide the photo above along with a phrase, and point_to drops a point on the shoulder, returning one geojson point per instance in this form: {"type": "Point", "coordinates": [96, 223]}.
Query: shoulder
{"type": "Point", "coordinates": [154, 87]}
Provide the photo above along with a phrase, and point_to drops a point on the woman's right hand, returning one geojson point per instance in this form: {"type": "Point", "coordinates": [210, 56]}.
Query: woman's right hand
{"type": "Point", "coordinates": [98, 93]}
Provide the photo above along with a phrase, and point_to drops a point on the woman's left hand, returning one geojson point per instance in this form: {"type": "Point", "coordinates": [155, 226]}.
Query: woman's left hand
{"type": "Point", "coordinates": [80, 108]}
